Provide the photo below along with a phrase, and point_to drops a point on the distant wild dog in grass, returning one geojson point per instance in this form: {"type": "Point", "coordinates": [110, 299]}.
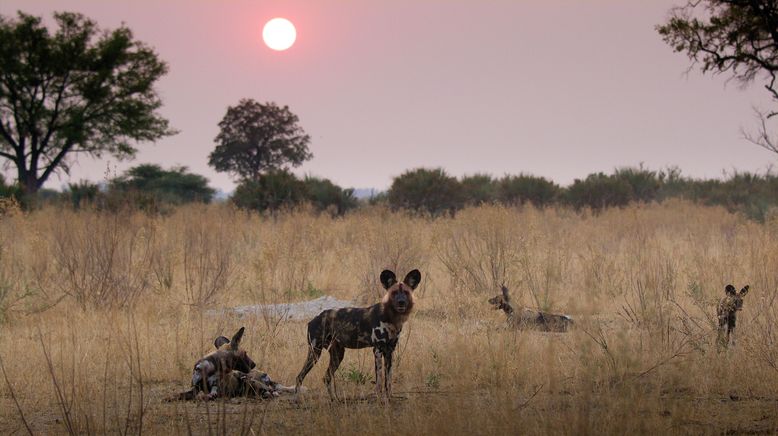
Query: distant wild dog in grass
{"type": "Point", "coordinates": [528, 318]}
{"type": "Point", "coordinates": [727, 313]}
{"type": "Point", "coordinates": [212, 374]}
{"type": "Point", "coordinates": [377, 326]}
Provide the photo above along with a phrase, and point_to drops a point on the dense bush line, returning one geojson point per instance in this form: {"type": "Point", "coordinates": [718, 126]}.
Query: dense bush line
{"type": "Point", "coordinates": [434, 192]}
{"type": "Point", "coordinates": [422, 190]}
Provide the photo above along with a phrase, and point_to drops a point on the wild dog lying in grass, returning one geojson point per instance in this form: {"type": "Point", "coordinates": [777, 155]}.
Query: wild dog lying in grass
{"type": "Point", "coordinates": [210, 376]}
{"type": "Point", "coordinates": [377, 326]}
{"type": "Point", "coordinates": [727, 313]}
{"type": "Point", "coordinates": [528, 318]}
{"type": "Point", "coordinates": [243, 380]}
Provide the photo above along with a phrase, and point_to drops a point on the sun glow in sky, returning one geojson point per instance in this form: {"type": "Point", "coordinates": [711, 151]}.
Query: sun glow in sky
{"type": "Point", "coordinates": [279, 34]}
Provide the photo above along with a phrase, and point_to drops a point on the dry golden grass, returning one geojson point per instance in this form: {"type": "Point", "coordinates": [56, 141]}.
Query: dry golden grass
{"type": "Point", "coordinates": [103, 316]}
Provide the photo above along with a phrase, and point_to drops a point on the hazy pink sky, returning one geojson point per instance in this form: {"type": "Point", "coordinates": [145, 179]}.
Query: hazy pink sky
{"type": "Point", "coordinates": [557, 88]}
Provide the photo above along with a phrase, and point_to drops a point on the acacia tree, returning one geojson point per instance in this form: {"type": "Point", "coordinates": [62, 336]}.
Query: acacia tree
{"type": "Point", "coordinates": [737, 37]}
{"type": "Point", "coordinates": [77, 90]}
{"type": "Point", "coordinates": [256, 137]}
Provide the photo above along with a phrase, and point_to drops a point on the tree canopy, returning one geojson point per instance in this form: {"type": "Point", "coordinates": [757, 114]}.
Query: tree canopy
{"type": "Point", "coordinates": [176, 185]}
{"type": "Point", "coordinates": [737, 37]}
{"type": "Point", "coordinates": [430, 191]}
{"type": "Point", "coordinates": [77, 90]}
{"type": "Point", "coordinates": [259, 137]}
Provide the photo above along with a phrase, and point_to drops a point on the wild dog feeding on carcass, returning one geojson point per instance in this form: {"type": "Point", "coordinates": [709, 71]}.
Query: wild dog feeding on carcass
{"type": "Point", "coordinates": [727, 314]}
{"type": "Point", "coordinates": [377, 326]}
{"type": "Point", "coordinates": [529, 318]}
{"type": "Point", "coordinates": [229, 372]}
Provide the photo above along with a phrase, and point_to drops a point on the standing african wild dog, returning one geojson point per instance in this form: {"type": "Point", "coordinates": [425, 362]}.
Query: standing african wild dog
{"type": "Point", "coordinates": [727, 313]}
{"type": "Point", "coordinates": [377, 326]}
{"type": "Point", "coordinates": [212, 373]}
{"type": "Point", "coordinates": [528, 318]}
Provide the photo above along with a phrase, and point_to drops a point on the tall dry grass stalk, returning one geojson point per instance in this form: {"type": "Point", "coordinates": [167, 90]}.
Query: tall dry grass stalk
{"type": "Point", "coordinates": [103, 315]}
{"type": "Point", "coordinates": [208, 243]}
{"type": "Point", "coordinates": [102, 260]}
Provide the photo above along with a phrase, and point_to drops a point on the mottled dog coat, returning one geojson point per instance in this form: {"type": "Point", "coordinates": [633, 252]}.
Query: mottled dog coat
{"type": "Point", "coordinates": [255, 383]}
{"type": "Point", "coordinates": [377, 326]}
{"type": "Point", "coordinates": [212, 374]}
{"type": "Point", "coordinates": [212, 377]}
{"type": "Point", "coordinates": [727, 314]}
{"type": "Point", "coordinates": [528, 318]}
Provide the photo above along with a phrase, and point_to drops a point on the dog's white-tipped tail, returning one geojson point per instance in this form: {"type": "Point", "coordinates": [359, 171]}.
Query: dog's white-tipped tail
{"type": "Point", "coordinates": [289, 389]}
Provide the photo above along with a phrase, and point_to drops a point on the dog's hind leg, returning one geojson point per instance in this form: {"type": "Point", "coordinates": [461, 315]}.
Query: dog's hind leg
{"type": "Point", "coordinates": [314, 351]}
{"type": "Point", "coordinates": [337, 352]}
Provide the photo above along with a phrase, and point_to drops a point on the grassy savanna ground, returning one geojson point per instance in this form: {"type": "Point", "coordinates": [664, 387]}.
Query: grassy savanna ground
{"type": "Point", "coordinates": [103, 316]}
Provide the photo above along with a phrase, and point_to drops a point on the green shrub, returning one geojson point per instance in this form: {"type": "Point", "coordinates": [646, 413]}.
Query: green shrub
{"type": "Point", "coordinates": [327, 196]}
{"type": "Point", "coordinates": [517, 190]}
{"type": "Point", "coordinates": [432, 380]}
{"type": "Point", "coordinates": [82, 193]}
{"type": "Point", "coordinates": [152, 184]}
{"type": "Point", "coordinates": [599, 191]}
{"type": "Point", "coordinates": [753, 195]}
{"type": "Point", "coordinates": [671, 183]}
{"type": "Point", "coordinates": [9, 191]}
{"type": "Point", "coordinates": [478, 189]}
{"type": "Point", "coordinates": [355, 375]}
{"type": "Point", "coordinates": [378, 199]}
{"type": "Point", "coordinates": [270, 192]}
{"type": "Point", "coordinates": [645, 184]}
{"type": "Point", "coordinates": [424, 190]}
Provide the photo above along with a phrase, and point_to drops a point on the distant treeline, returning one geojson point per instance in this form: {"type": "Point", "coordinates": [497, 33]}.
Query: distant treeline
{"type": "Point", "coordinates": [426, 191]}
{"type": "Point", "coordinates": [434, 192]}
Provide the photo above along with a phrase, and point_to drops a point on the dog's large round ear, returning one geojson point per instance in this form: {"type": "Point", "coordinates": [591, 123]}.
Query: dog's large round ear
{"type": "Point", "coordinates": [730, 290]}
{"type": "Point", "coordinates": [505, 293]}
{"type": "Point", "coordinates": [412, 279]}
{"type": "Point", "coordinates": [235, 341]}
{"type": "Point", "coordinates": [221, 340]}
{"type": "Point", "coordinates": [744, 291]}
{"type": "Point", "coordinates": [388, 279]}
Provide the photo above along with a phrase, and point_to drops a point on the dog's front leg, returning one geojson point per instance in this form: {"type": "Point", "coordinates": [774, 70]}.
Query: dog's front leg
{"type": "Point", "coordinates": [213, 382]}
{"type": "Point", "coordinates": [379, 370]}
{"type": "Point", "coordinates": [388, 379]}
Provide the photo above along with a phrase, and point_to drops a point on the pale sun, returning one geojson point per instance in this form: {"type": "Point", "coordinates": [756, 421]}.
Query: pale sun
{"type": "Point", "coordinates": [279, 34]}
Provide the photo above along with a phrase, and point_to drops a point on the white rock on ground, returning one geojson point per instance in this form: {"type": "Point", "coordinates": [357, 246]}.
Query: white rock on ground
{"type": "Point", "coordinates": [292, 311]}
